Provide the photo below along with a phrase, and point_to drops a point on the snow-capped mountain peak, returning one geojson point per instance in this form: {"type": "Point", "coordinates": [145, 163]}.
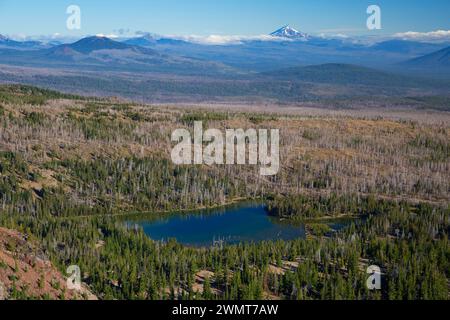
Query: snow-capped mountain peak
{"type": "Point", "coordinates": [290, 33]}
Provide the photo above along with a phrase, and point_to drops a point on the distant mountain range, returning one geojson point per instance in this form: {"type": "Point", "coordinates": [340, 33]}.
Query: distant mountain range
{"type": "Point", "coordinates": [101, 53]}
{"type": "Point", "coordinates": [9, 43]}
{"type": "Point", "coordinates": [149, 41]}
{"type": "Point", "coordinates": [287, 66]}
{"type": "Point", "coordinates": [286, 47]}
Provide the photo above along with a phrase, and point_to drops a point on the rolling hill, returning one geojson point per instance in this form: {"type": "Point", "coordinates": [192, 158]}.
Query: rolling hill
{"type": "Point", "coordinates": [90, 44]}
{"type": "Point", "coordinates": [345, 74]}
{"type": "Point", "coordinates": [438, 59]}
{"type": "Point", "coordinates": [406, 47]}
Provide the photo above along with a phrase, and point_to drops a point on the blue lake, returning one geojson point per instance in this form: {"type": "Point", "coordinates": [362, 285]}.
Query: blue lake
{"type": "Point", "coordinates": [234, 224]}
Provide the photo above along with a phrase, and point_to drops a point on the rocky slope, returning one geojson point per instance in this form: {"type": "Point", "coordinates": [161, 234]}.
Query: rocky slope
{"type": "Point", "coordinates": [26, 273]}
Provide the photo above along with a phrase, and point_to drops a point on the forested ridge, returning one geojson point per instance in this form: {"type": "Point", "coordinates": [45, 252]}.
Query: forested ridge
{"type": "Point", "coordinates": [68, 165]}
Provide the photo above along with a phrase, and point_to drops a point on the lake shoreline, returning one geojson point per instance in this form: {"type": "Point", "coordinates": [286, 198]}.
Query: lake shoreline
{"type": "Point", "coordinates": [240, 222]}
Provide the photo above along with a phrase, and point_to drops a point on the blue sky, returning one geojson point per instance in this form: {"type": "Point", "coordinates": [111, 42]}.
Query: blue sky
{"type": "Point", "coordinates": [221, 17]}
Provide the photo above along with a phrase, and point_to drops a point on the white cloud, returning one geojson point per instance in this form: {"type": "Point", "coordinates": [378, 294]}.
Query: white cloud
{"type": "Point", "coordinates": [333, 36]}
{"type": "Point", "coordinates": [341, 30]}
{"type": "Point", "coordinates": [44, 38]}
{"type": "Point", "coordinates": [212, 39]}
{"type": "Point", "coordinates": [110, 36]}
{"type": "Point", "coordinates": [438, 35]}
{"type": "Point", "coordinates": [225, 39]}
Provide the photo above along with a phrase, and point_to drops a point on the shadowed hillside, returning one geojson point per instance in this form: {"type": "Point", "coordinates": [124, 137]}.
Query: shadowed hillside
{"type": "Point", "coordinates": [435, 60]}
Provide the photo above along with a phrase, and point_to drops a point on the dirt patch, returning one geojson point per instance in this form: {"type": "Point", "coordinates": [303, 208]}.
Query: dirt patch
{"type": "Point", "coordinates": [200, 278]}
{"type": "Point", "coordinates": [285, 267]}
